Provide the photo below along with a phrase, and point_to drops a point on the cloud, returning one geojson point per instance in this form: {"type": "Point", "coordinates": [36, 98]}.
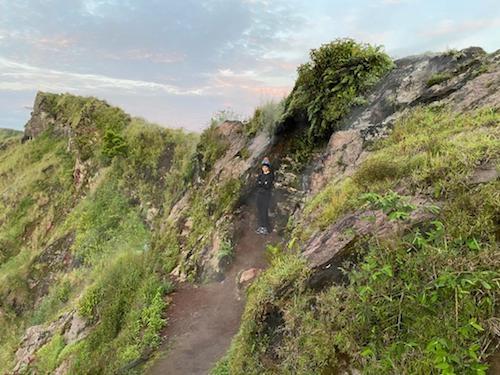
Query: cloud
{"type": "Point", "coordinates": [178, 61]}
{"type": "Point", "coordinates": [451, 27]}
{"type": "Point", "coordinates": [19, 77]}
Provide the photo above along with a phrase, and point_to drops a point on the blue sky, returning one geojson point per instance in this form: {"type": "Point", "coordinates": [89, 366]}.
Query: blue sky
{"type": "Point", "coordinates": [178, 62]}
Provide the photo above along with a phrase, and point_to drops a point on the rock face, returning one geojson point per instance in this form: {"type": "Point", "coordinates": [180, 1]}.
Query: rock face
{"type": "Point", "coordinates": [54, 258]}
{"type": "Point", "coordinates": [326, 250]}
{"type": "Point", "coordinates": [41, 117]}
{"type": "Point", "coordinates": [461, 80]}
{"type": "Point", "coordinates": [70, 325]}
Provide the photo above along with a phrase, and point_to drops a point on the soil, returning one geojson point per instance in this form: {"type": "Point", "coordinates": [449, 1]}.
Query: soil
{"type": "Point", "coordinates": [202, 319]}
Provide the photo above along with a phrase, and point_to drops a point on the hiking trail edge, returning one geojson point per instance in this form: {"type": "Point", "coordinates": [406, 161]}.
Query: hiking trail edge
{"type": "Point", "coordinates": [202, 319]}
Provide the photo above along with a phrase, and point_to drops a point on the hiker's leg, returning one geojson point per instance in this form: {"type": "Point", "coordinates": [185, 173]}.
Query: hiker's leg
{"type": "Point", "coordinates": [260, 211]}
{"type": "Point", "coordinates": [265, 215]}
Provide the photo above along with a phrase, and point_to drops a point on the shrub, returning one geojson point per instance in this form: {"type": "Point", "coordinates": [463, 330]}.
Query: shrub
{"type": "Point", "coordinates": [337, 75]}
{"type": "Point", "coordinates": [113, 144]}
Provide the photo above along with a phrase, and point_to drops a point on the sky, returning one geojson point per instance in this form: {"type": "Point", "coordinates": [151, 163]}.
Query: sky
{"type": "Point", "coordinates": [177, 63]}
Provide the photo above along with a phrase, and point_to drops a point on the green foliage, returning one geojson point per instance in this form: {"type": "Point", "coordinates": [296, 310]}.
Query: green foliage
{"type": "Point", "coordinates": [227, 196]}
{"type": "Point", "coordinates": [113, 144]}
{"type": "Point", "coordinates": [57, 297]}
{"type": "Point", "coordinates": [226, 250]}
{"type": "Point", "coordinates": [158, 162]}
{"type": "Point", "coordinates": [88, 303]}
{"type": "Point", "coordinates": [392, 204]}
{"type": "Point", "coordinates": [430, 149]}
{"type": "Point", "coordinates": [48, 355]}
{"type": "Point", "coordinates": [266, 117]}
{"type": "Point", "coordinates": [263, 295]}
{"type": "Point", "coordinates": [333, 81]}
{"type": "Point", "coordinates": [9, 134]}
{"type": "Point", "coordinates": [97, 127]}
{"type": "Point", "coordinates": [438, 78]}
{"type": "Point", "coordinates": [212, 146]}
{"type": "Point", "coordinates": [127, 300]}
{"type": "Point", "coordinates": [104, 223]}
{"type": "Point", "coordinates": [111, 237]}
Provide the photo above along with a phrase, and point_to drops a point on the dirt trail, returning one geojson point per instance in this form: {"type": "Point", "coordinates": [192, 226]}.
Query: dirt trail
{"type": "Point", "coordinates": [203, 319]}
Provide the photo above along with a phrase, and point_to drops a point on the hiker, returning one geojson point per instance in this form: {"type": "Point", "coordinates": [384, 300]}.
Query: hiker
{"type": "Point", "coordinates": [264, 187]}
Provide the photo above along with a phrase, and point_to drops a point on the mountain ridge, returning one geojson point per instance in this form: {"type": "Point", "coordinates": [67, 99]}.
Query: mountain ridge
{"type": "Point", "coordinates": [104, 214]}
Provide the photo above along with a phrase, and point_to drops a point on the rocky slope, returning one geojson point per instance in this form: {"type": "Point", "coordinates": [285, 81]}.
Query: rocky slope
{"type": "Point", "coordinates": [388, 228]}
{"type": "Point", "coordinates": [394, 267]}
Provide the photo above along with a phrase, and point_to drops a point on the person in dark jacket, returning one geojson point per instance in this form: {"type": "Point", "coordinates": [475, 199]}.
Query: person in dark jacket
{"type": "Point", "coordinates": [264, 188]}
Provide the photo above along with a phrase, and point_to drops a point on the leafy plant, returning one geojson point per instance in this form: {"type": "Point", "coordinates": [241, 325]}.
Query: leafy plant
{"type": "Point", "coordinates": [333, 81]}
{"type": "Point", "coordinates": [392, 204]}
{"type": "Point", "coordinates": [113, 144]}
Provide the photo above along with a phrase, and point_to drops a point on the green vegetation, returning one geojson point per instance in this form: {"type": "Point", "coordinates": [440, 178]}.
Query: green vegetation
{"type": "Point", "coordinates": [210, 148]}
{"type": "Point", "coordinates": [6, 134]}
{"type": "Point", "coordinates": [335, 79]}
{"type": "Point", "coordinates": [209, 200]}
{"type": "Point", "coordinates": [420, 303]}
{"type": "Point", "coordinates": [90, 251]}
{"type": "Point", "coordinates": [438, 78]}
{"type": "Point", "coordinates": [98, 209]}
{"type": "Point", "coordinates": [266, 117]}
{"type": "Point", "coordinates": [97, 126]}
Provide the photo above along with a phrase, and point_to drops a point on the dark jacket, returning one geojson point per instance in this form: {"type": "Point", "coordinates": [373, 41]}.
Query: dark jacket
{"type": "Point", "coordinates": [265, 183]}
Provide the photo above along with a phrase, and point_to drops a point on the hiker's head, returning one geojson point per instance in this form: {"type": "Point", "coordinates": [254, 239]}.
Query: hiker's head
{"type": "Point", "coordinates": [266, 165]}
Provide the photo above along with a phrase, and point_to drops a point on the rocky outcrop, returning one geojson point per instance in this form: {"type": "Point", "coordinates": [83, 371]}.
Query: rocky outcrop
{"type": "Point", "coordinates": [55, 258]}
{"type": "Point", "coordinates": [462, 80]}
{"type": "Point", "coordinates": [42, 117]}
{"type": "Point", "coordinates": [70, 325]}
{"type": "Point", "coordinates": [328, 249]}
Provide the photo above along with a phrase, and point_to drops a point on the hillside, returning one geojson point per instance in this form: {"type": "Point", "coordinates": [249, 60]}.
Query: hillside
{"type": "Point", "coordinates": [116, 235]}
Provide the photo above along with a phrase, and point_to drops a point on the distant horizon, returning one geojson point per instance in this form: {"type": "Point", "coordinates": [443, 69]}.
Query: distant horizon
{"type": "Point", "coordinates": [178, 63]}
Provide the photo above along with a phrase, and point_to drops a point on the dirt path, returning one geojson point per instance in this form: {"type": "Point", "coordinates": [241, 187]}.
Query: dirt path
{"type": "Point", "coordinates": [203, 319]}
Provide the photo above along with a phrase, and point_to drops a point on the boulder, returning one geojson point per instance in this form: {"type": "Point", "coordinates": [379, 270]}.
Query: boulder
{"type": "Point", "coordinates": [484, 174]}
{"type": "Point", "coordinates": [328, 249]}
{"type": "Point", "coordinates": [247, 276]}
